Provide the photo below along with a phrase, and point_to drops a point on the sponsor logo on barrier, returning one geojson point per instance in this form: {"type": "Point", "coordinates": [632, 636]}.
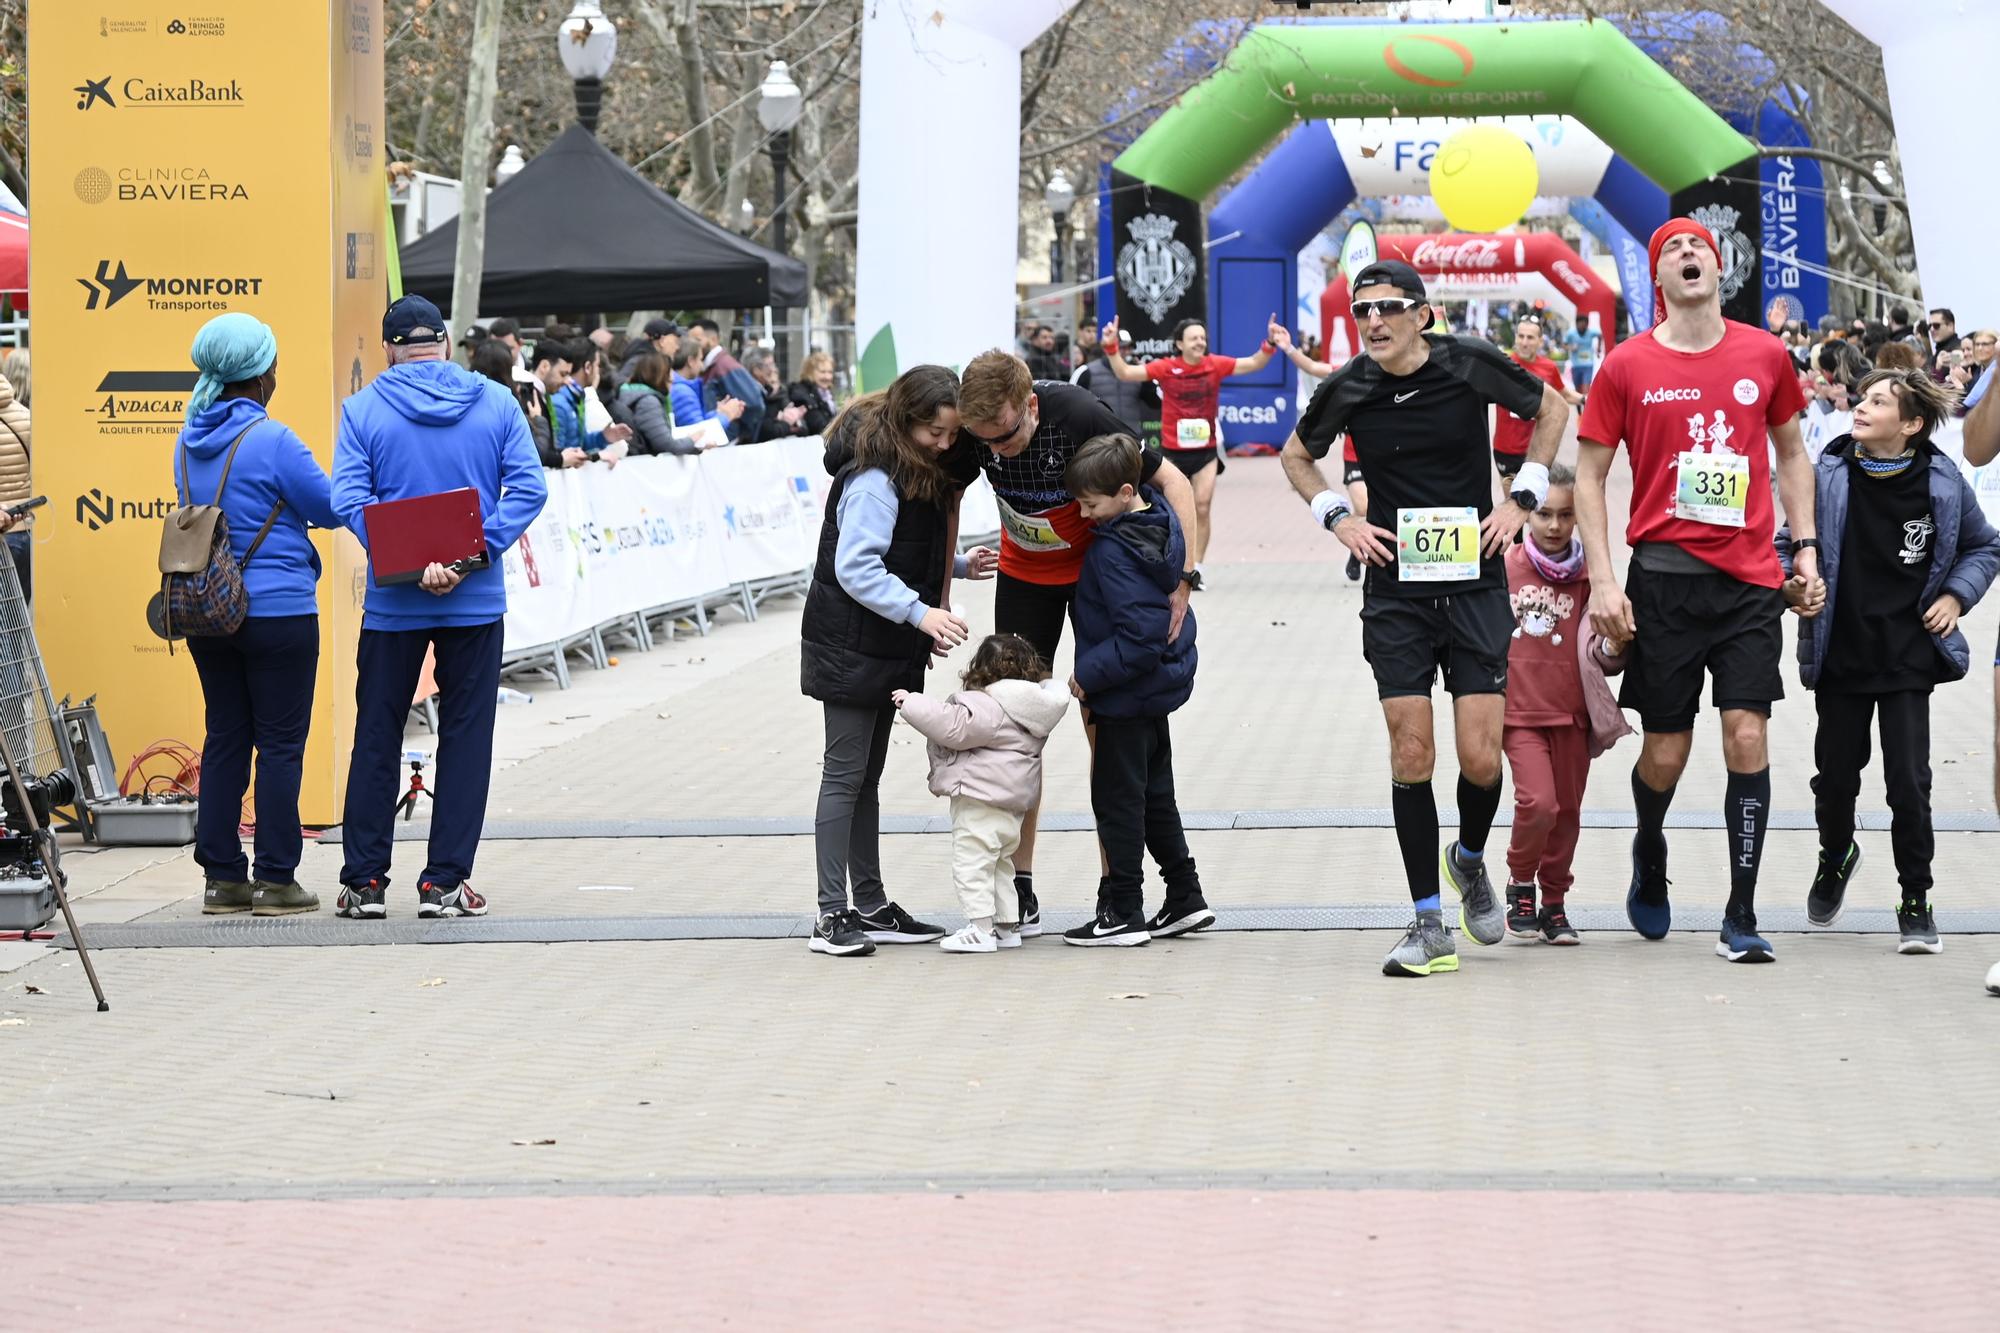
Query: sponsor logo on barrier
{"type": "Point", "coordinates": [191, 292]}
{"type": "Point", "coordinates": [1671, 396]}
{"type": "Point", "coordinates": [99, 509]}
{"type": "Point", "coordinates": [141, 402]}
{"type": "Point", "coordinates": [141, 92]}
{"type": "Point", "coordinates": [357, 140]}
{"type": "Point", "coordinates": [1575, 281]}
{"type": "Point", "coordinates": [760, 520]}
{"type": "Point", "coordinates": [360, 26]}
{"type": "Point", "coordinates": [1155, 267]}
{"type": "Point", "coordinates": [204, 26]}
{"type": "Point", "coordinates": [1236, 414]}
{"type": "Point", "coordinates": [92, 92]}
{"type": "Point", "coordinates": [361, 256]}
{"type": "Point", "coordinates": [1456, 254]}
{"type": "Point", "coordinates": [110, 27]}
{"type": "Point", "coordinates": [167, 183]}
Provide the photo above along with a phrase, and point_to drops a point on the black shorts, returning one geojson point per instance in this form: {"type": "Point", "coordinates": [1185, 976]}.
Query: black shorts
{"type": "Point", "coordinates": [1191, 461]}
{"type": "Point", "coordinates": [1689, 623]}
{"type": "Point", "coordinates": [1035, 611]}
{"type": "Point", "coordinates": [1408, 640]}
{"type": "Point", "coordinates": [1352, 475]}
{"type": "Point", "coordinates": [1509, 465]}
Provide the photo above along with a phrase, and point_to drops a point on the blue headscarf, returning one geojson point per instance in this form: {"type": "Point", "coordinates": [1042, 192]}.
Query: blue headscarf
{"type": "Point", "coordinates": [227, 349]}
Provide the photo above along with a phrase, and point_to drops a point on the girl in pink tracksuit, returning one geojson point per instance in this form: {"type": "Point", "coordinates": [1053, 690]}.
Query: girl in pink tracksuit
{"type": "Point", "coordinates": [986, 755]}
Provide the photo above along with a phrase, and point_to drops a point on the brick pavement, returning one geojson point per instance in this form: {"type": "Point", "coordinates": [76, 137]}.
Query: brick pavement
{"type": "Point", "coordinates": [1209, 1133]}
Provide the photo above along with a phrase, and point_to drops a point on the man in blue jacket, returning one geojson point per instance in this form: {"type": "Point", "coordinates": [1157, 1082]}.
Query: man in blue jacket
{"type": "Point", "coordinates": [425, 426]}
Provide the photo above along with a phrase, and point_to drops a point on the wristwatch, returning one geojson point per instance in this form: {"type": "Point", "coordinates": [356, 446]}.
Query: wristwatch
{"type": "Point", "coordinates": [1806, 544]}
{"type": "Point", "coordinates": [1526, 499]}
{"type": "Point", "coordinates": [1187, 577]}
{"type": "Point", "coordinates": [1334, 516]}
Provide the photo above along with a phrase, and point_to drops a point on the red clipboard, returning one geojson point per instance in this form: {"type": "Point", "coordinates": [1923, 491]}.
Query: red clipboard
{"type": "Point", "coordinates": [404, 536]}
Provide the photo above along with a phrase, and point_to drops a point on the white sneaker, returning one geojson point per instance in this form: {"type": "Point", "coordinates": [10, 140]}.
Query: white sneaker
{"type": "Point", "coordinates": [1005, 937]}
{"type": "Point", "coordinates": [970, 940]}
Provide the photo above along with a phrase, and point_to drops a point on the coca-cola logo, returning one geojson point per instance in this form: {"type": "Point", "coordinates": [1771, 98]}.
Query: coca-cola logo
{"type": "Point", "coordinates": [1457, 254]}
{"type": "Point", "coordinates": [1570, 276]}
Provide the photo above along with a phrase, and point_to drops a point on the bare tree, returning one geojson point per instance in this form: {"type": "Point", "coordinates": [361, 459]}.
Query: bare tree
{"type": "Point", "coordinates": [480, 87]}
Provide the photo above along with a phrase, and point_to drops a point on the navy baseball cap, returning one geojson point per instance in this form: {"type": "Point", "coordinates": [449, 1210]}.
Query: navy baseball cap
{"type": "Point", "coordinates": [660, 328]}
{"type": "Point", "coordinates": [1397, 274]}
{"type": "Point", "coordinates": [413, 322]}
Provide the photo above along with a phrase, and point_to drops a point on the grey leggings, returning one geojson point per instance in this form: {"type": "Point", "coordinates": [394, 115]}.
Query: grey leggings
{"type": "Point", "coordinates": [847, 825]}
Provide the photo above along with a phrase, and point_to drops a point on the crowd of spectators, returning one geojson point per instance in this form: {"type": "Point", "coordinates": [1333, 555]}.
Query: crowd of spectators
{"type": "Point", "coordinates": [602, 396]}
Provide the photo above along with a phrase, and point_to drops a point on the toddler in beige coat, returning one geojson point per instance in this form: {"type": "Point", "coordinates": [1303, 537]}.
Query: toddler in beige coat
{"type": "Point", "coordinates": [986, 755]}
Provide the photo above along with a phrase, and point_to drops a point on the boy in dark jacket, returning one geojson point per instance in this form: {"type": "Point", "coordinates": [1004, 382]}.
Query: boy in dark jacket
{"type": "Point", "coordinates": [1131, 673]}
{"type": "Point", "coordinates": [1905, 552]}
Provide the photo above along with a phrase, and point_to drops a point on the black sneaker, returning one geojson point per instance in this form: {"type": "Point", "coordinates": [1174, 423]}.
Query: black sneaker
{"type": "Point", "coordinates": [1031, 907]}
{"type": "Point", "coordinates": [454, 900]}
{"type": "Point", "coordinates": [1829, 887]}
{"type": "Point", "coordinates": [1522, 923]}
{"type": "Point", "coordinates": [1353, 568]}
{"type": "Point", "coordinates": [1646, 903]}
{"type": "Point", "coordinates": [1918, 929]}
{"type": "Point", "coordinates": [1555, 927]}
{"type": "Point", "coordinates": [840, 934]}
{"type": "Point", "coordinates": [890, 924]}
{"type": "Point", "coordinates": [1109, 928]}
{"type": "Point", "coordinates": [363, 901]}
{"type": "Point", "coordinates": [1180, 918]}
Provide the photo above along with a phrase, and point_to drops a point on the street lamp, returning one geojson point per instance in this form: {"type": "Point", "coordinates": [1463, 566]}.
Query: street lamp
{"type": "Point", "coordinates": [779, 104]}
{"type": "Point", "coordinates": [589, 42]}
{"type": "Point", "coordinates": [510, 166]}
{"type": "Point", "coordinates": [1059, 195]}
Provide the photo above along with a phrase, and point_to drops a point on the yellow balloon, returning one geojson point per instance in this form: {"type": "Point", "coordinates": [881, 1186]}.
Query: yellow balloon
{"type": "Point", "coordinates": [1483, 178]}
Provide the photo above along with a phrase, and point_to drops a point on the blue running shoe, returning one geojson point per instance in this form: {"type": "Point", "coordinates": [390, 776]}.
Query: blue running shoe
{"type": "Point", "coordinates": [1740, 942]}
{"type": "Point", "coordinates": [1646, 905]}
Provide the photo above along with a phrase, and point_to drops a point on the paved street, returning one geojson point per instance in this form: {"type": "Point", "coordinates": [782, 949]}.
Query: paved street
{"type": "Point", "coordinates": [1252, 1129]}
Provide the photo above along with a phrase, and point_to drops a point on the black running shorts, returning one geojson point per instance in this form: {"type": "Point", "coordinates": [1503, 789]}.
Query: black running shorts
{"type": "Point", "coordinates": [1509, 465]}
{"type": "Point", "coordinates": [1408, 640]}
{"type": "Point", "coordinates": [1691, 623]}
{"type": "Point", "coordinates": [1191, 461]}
{"type": "Point", "coordinates": [1035, 611]}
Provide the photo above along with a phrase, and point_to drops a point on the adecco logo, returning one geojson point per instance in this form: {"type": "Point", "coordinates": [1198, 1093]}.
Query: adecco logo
{"type": "Point", "coordinates": [1670, 396]}
{"type": "Point", "coordinates": [1404, 72]}
{"type": "Point", "coordinates": [198, 292]}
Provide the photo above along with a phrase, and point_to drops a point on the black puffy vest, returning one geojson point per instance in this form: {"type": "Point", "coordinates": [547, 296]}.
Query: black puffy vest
{"type": "Point", "coordinates": [848, 654]}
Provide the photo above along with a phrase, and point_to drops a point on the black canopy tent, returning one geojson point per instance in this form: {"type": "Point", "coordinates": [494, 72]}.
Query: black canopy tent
{"type": "Point", "coordinates": [577, 229]}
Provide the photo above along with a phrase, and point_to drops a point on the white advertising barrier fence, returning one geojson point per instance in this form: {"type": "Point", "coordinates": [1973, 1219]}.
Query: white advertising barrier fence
{"type": "Point", "coordinates": [665, 531]}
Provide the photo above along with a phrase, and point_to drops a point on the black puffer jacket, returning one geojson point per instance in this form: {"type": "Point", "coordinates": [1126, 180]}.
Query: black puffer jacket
{"type": "Point", "coordinates": [847, 653]}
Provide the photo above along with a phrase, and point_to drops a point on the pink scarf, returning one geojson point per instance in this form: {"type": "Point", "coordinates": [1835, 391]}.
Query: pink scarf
{"type": "Point", "coordinates": [1566, 569]}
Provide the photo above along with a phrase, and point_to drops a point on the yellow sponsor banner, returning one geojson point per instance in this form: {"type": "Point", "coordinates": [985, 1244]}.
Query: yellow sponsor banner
{"type": "Point", "coordinates": [187, 166]}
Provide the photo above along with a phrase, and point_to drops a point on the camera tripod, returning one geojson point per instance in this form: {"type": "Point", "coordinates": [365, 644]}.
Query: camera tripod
{"type": "Point", "coordinates": [51, 855]}
{"type": "Point", "coordinates": [408, 805]}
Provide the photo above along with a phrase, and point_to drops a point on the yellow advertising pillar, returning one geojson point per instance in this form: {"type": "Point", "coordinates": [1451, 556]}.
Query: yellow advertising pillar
{"type": "Point", "coordinates": [185, 166]}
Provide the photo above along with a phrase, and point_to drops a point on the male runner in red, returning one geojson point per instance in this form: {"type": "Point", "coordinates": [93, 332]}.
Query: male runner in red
{"type": "Point", "coordinates": [1511, 433]}
{"type": "Point", "coordinates": [1190, 396]}
{"type": "Point", "coordinates": [1694, 399]}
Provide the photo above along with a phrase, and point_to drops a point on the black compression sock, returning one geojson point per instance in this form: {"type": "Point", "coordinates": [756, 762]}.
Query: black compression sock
{"type": "Point", "coordinates": [1652, 809]}
{"type": "Point", "coordinates": [1476, 808]}
{"type": "Point", "coordinates": [1746, 805]}
{"type": "Point", "coordinates": [1416, 810]}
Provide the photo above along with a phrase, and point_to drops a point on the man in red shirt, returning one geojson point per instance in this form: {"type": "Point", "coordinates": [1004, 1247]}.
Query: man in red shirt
{"type": "Point", "coordinates": [1190, 395]}
{"type": "Point", "coordinates": [1693, 400]}
{"type": "Point", "coordinates": [1511, 433]}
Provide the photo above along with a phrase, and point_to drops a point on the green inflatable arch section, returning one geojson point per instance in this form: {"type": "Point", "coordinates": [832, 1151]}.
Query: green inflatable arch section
{"type": "Point", "coordinates": [1282, 73]}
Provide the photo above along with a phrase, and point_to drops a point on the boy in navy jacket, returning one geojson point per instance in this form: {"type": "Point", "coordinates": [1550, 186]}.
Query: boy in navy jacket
{"type": "Point", "coordinates": [1133, 669]}
{"type": "Point", "coordinates": [1905, 551]}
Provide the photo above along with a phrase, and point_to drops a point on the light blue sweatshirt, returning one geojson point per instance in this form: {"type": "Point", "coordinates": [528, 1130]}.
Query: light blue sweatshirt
{"type": "Point", "coordinates": [867, 518]}
{"type": "Point", "coordinates": [424, 428]}
{"type": "Point", "coordinates": [273, 464]}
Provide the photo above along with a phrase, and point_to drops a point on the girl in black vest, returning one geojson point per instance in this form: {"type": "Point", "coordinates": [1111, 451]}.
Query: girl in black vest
{"type": "Point", "coordinates": [873, 616]}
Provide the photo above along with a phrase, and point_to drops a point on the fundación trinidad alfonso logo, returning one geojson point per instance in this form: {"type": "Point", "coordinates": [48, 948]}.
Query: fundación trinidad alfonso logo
{"type": "Point", "coordinates": [1155, 267]}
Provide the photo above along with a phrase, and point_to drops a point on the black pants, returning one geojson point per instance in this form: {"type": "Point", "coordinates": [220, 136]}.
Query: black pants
{"type": "Point", "coordinates": [257, 690]}
{"type": "Point", "coordinates": [847, 826]}
{"type": "Point", "coordinates": [1840, 752]}
{"type": "Point", "coordinates": [1132, 798]}
{"type": "Point", "coordinates": [387, 664]}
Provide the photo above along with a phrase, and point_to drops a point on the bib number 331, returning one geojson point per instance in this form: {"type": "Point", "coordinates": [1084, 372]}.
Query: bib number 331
{"type": "Point", "coordinates": [1437, 545]}
{"type": "Point", "coordinates": [1713, 488]}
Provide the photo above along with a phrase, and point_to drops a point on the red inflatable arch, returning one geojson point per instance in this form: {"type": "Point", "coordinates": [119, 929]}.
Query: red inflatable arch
{"type": "Point", "coordinates": [1524, 252]}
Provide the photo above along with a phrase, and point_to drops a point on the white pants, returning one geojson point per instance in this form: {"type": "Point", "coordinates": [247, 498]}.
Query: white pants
{"type": "Point", "coordinates": [984, 839]}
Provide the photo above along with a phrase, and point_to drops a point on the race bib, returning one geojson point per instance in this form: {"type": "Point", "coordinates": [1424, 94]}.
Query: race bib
{"type": "Point", "coordinates": [1437, 545]}
{"type": "Point", "coordinates": [1192, 433]}
{"type": "Point", "coordinates": [1713, 488]}
{"type": "Point", "coordinates": [1030, 532]}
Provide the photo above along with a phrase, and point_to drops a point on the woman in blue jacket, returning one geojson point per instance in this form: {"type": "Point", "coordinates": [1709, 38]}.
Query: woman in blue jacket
{"type": "Point", "coordinates": [257, 684]}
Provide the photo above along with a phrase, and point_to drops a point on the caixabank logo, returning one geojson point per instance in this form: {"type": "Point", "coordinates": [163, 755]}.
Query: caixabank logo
{"type": "Point", "coordinates": [112, 283]}
{"type": "Point", "coordinates": [138, 92]}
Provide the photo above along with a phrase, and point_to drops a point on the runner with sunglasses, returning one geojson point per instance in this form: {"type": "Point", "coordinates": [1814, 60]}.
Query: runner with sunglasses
{"type": "Point", "coordinates": [1022, 432]}
{"type": "Point", "coordinates": [1415, 410]}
